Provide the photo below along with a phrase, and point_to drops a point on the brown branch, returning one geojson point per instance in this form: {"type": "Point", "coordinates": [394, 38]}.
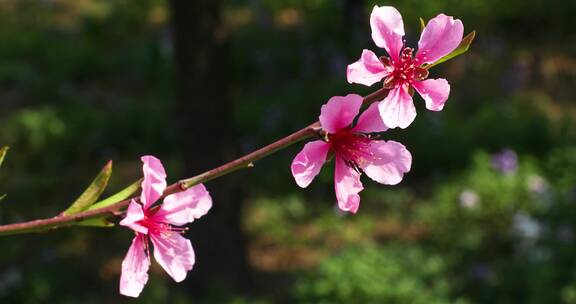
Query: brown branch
{"type": "Point", "coordinates": [237, 164]}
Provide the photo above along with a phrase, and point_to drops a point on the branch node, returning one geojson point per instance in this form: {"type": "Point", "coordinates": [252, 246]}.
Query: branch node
{"type": "Point", "coordinates": [182, 185]}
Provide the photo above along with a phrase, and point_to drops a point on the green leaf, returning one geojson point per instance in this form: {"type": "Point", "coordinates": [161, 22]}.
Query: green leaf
{"type": "Point", "coordinates": [96, 222]}
{"type": "Point", "coordinates": [120, 196]}
{"type": "Point", "coordinates": [422, 24]}
{"type": "Point", "coordinates": [3, 152]}
{"type": "Point", "coordinates": [92, 193]}
{"type": "Point", "coordinates": [461, 49]}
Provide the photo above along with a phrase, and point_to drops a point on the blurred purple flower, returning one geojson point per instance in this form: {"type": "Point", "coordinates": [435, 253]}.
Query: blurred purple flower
{"type": "Point", "coordinates": [505, 161]}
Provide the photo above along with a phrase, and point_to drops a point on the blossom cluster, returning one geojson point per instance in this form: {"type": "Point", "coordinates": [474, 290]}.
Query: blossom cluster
{"type": "Point", "coordinates": [350, 137]}
{"type": "Point", "coordinates": [353, 145]}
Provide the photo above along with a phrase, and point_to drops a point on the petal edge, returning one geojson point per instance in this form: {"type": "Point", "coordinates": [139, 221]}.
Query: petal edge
{"type": "Point", "coordinates": [135, 266]}
{"type": "Point", "coordinates": [370, 121]}
{"type": "Point", "coordinates": [174, 253]}
{"type": "Point", "coordinates": [184, 207]}
{"type": "Point", "coordinates": [308, 162]}
{"type": "Point", "coordinates": [339, 112]}
{"type": "Point", "coordinates": [391, 162]}
{"type": "Point", "coordinates": [435, 92]}
{"type": "Point", "coordinates": [154, 181]}
{"type": "Point", "coordinates": [387, 29]}
{"type": "Point", "coordinates": [441, 36]}
{"type": "Point", "coordinates": [397, 109]}
{"type": "Point", "coordinates": [347, 186]}
{"type": "Point", "coordinates": [368, 70]}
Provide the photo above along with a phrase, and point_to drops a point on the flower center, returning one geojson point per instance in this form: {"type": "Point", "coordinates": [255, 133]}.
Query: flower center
{"type": "Point", "coordinates": [162, 229]}
{"type": "Point", "coordinates": [353, 148]}
{"type": "Point", "coordinates": [405, 70]}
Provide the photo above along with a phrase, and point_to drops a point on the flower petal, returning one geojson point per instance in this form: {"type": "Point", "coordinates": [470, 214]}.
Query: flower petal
{"type": "Point", "coordinates": [441, 36]}
{"type": "Point", "coordinates": [397, 109]}
{"type": "Point", "coordinates": [370, 121]}
{"type": "Point", "coordinates": [391, 161]}
{"type": "Point", "coordinates": [387, 29]}
{"type": "Point", "coordinates": [307, 164]}
{"type": "Point", "coordinates": [154, 181]}
{"type": "Point", "coordinates": [174, 253]}
{"type": "Point", "coordinates": [134, 214]}
{"type": "Point", "coordinates": [135, 268]}
{"type": "Point", "coordinates": [347, 185]}
{"type": "Point", "coordinates": [367, 70]}
{"type": "Point", "coordinates": [434, 91]}
{"type": "Point", "coordinates": [184, 207]}
{"type": "Point", "coordinates": [339, 112]}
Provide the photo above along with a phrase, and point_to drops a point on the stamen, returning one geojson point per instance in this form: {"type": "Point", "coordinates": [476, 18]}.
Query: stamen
{"type": "Point", "coordinates": [353, 148]}
{"type": "Point", "coordinates": [420, 73]}
{"type": "Point", "coordinates": [405, 70]}
{"type": "Point", "coordinates": [389, 82]}
{"type": "Point", "coordinates": [385, 61]}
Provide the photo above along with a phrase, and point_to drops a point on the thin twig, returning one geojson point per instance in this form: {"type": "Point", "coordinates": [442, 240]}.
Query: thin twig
{"type": "Point", "coordinates": [237, 164]}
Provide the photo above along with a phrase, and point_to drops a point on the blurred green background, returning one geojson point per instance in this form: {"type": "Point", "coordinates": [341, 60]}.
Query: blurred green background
{"type": "Point", "coordinates": [487, 214]}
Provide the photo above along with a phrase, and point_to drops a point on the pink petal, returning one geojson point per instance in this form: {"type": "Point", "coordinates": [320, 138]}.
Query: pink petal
{"type": "Point", "coordinates": [387, 29]}
{"type": "Point", "coordinates": [347, 184]}
{"type": "Point", "coordinates": [154, 181]}
{"type": "Point", "coordinates": [370, 121]}
{"type": "Point", "coordinates": [441, 36]}
{"type": "Point", "coordinates": [367, 70]}
{"type": "Point", "coordinates": [174, 253]}
{"type": "Point", "coordinates": [434, 91]}
{"type": "Point", "coordinates": [307, 164]}
{"type": "Point", "coordinates": [184, 207]}
{"type": "Point", "coordinates": [397, 109]}
{"type": "Point", "coordinates": [391, 161]}
{"type": "Point", "coordinates": [339, 112]}
{"type": "Point", "coordinates": [135, 268]}
{"type": "Point", "coordinates": [134, 214]}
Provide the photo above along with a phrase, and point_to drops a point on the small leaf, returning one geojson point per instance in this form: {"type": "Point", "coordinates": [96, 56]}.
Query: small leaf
{"type": "Point", "coordinates": [120, 196]}
{"type": "Point", "coordinates": [3, 152]}
{"type": "Point", "coordinates": [461, 49]}
{"type": "Point", "coordinates": [422, 24]}
{"type": "Point", "coordinates": [92, 193]}
{"type": "Point", "coordinates": [96, 222]}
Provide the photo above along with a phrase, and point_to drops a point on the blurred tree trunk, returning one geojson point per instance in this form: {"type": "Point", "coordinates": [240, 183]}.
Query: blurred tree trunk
{"type": "Point", "coordinates": [203, 113]}
{"type": "Point", "coordinates": [354, 12]}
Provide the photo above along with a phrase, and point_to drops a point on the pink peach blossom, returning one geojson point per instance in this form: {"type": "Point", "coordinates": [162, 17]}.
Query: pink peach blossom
{"type": "Point", "coordinates": [159, 226]}
{"type": "Point", "coordinates": [354, 150]}
{"type": "Point", "coordinates": [401, 71]}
